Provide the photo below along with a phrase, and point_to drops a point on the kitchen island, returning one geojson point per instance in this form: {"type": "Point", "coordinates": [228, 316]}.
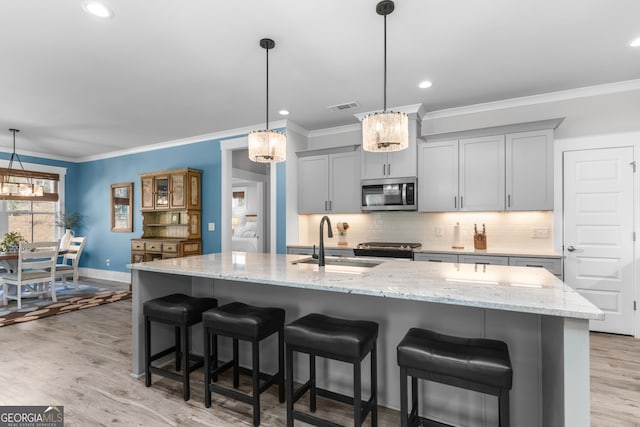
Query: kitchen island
{"type": "Point", "coordinates": [543, 321]}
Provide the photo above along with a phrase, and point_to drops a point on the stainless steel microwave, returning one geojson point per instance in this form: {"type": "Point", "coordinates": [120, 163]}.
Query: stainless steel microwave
{"type": "Point", "coordinates": [389, 194]}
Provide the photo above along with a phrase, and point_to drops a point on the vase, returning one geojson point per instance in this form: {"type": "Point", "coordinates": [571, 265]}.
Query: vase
{"type": "Point", "coordinates": [66, 239]}
{"type": "Point", "coordinates": [13, 248]}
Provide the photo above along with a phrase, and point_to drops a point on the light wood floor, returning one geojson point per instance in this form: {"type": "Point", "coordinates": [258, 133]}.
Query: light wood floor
{"type": "Point", "coordinates": [81, 360]}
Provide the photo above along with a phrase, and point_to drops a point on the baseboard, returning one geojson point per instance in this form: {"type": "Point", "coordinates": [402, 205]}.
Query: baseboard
{"type": "Point", "coordinates": [95, 273]}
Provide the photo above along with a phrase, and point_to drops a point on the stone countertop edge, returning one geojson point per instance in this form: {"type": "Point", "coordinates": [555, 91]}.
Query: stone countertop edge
{"type": "Point", "coordinates": [518, 289]}
{"type": "Point", "coordinates": [441, 250]}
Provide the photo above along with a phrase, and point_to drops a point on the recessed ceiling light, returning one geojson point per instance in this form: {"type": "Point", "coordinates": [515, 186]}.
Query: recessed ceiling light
{"type": "Point", "coordinates": [425, 84]}
{"type": "Point", "coordinates": [96, 8]}
{"type": "Point", "coordinates": [284, 112]}
{"type": "Point", "coordinates": [635, 42]}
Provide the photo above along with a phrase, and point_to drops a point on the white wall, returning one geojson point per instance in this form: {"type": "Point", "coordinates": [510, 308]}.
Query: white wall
{"type": "Point", "coordinates": [296, 141]}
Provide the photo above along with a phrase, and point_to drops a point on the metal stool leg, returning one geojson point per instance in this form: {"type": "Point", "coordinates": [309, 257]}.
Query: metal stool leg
{"type": "Point", "coordinates": [281, 365]}
{"type": "Point", "coordinates": [312, 378]}
{"type": "Point", "coordinates": [374, 385]}
{"type": "Point", "coordinates": [147, 351]}
{"type": "Point", "coordinates": [185, 362]}
{"type": "Point", "coordinates": [357, 394]}
{"type": "Point", "coordinates": [289, 384]}
{"type": "Point", "coordinates": [255, 347]}
{"type": "Point", "coordinates": [236, 374]}
{"type": "Point", "coordinates": [207, 367]}
{"type": "Point", "coordinates": [404, 416]}
{"type": "Point", "coordinates": [178, 348]}
{"type": "Point", "coordinates": [503, 402]}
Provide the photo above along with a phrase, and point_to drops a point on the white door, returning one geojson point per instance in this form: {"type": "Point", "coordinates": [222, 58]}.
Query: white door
{"type": "Point", "coordinates": [598, 232]}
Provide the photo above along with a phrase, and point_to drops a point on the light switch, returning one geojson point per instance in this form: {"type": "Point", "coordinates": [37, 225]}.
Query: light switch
{"type": "Point", "coordinates": [438, 231]}
{"type": "Point", "coordinates": [212, 226]}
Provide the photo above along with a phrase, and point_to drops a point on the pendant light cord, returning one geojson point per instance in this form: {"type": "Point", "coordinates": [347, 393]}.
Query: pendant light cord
{"type": "Point", "coordinates": [385, 64]}
{"type": "Point", "coordinates": [267, 109]}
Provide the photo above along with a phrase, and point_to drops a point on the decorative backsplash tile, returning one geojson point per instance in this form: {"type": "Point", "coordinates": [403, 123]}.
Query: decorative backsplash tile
{"type": "Point", "coordinates": [505, 230]}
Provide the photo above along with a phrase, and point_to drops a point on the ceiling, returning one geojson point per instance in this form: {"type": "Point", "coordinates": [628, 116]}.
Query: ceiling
{"type": "Point", "coordinates": [78, 86]}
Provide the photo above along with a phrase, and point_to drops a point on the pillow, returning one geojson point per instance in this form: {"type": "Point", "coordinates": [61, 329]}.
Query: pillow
{"type": "Point", "coordinates": [238, 231]}
{"type": "Point", "coordinates": [248, 233]}
{"type": "Point", "coordinates": [251, 226]}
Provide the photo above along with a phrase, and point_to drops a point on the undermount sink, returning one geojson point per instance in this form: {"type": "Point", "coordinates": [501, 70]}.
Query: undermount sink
{"type": "Point", "coordinates": [340, 261]}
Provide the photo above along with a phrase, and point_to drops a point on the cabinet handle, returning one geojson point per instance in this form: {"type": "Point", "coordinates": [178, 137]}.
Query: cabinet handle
{"type": "Point", "coordinates": [325, 205]}
{"type": "Point", "coordinates": [532, 265]}
{"type": "Point", "coordinates": [384, 169]}
{"type": "Point", "coordinates": [461, 202]}
{"type": "Point", "coordinates": [455, 202]}
{"type": "Point", "coordinates": [388, 168]}
{"type": "Point", "coordinates": [435, 260]}
{"type": "Point", "coordinates": [509, 200]}
{"type": "Point", "coordinates": [330, 205]}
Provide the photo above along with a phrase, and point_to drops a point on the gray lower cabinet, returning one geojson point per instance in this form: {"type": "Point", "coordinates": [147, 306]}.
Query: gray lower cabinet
{"type": "Point", "coordinates": [306, 250]}
{"type": "Point", "coordinates": [431, 257]}
{"type": "Point", "coordinates": [554, 265]}
{"type": "Point", "coordinates": [483, 259]}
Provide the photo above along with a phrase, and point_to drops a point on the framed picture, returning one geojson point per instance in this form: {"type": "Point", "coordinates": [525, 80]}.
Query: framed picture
{"type": "Point", "coordinates": [121, 206]}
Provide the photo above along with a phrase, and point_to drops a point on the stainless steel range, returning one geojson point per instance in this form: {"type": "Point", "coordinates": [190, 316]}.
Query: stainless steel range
{"type": "Point", "coordinates": [387, 249]}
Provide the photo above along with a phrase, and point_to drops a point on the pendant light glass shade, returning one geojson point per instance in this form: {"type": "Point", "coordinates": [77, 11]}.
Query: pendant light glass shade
{"type": "Point", "coordinates": [387, 130]}
{"type": "Point", "coordinates": [267, 146]}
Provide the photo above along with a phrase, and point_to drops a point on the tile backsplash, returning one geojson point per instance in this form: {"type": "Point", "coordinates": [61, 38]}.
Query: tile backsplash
{"type": "Point", "coordinates": [505, 230]}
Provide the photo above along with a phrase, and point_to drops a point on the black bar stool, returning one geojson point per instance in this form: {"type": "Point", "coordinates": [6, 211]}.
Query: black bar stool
{"type": "Point", "coordinates": [339, 339]}
{"type": "Point", "coordinates": [249, 323]}
{"type": "Point", "coordinates": [477, 364]}
{"type": "Point", "coordinates": [181, 311]}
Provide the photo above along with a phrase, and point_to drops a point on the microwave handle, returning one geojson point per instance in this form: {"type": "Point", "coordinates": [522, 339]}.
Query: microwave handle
{"type": "Point", "coordinates": [404, 194]}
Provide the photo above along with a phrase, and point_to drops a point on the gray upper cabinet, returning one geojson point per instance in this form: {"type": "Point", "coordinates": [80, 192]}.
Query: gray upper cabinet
{"type": "Point", "coordinates": [438, 176]}
{"type": "Point", "coordinates": [395, 164]}
{"type": "Point", "coordinates": [511, 171]}
{"type": "Point", "coordinates": [529, 169]}
{"type": "Point", "coordinates": [329, 183]}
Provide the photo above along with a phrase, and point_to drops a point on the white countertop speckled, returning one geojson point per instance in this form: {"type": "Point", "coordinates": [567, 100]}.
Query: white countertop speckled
{"type": "Point", "coordinates": [519, 289]}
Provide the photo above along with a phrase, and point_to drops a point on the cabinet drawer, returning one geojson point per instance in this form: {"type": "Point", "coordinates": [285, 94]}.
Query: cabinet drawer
{"type": "Point", "coordinates": [554, 265]}
{"type": "Point", "coordinates": [154, 246]}
{"type": "Point", "coordinates": [299, 251]}
{"type": "Point", "coordinates": [170, 247]}
{"type": "Point", "coordinates": [191, 248]}
{"type": "Point", "coordinates": [338, 252]}
{"type": "Point", "coordinates": [435, 257]}
{"type": "Point", "coordinates": [137, 245]}
{"type": "Point", "coordinates": [483, 259]}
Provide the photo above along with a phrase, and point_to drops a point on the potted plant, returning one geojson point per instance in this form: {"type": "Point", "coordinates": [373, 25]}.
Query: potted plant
{"type": "Point", "coordinates": [11, 241]}
{"type": "Point", "coordinates": [68, 222]}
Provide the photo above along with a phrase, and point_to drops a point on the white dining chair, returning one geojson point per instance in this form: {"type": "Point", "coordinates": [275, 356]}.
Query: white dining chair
{"type": "Point", "coordinates": [36, 272]}
{"type": "Point", "coordinates": [70, 260]}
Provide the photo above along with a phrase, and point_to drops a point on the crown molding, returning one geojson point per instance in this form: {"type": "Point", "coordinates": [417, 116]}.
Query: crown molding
{"type": "Point", "coordinates": [335, 130]}
{"type": "Point", "coordinates": [417, 109]}
{"type": "Point", "coordinates": [296, 128]}
{"type": "Point", "coordinates": [563, 95]}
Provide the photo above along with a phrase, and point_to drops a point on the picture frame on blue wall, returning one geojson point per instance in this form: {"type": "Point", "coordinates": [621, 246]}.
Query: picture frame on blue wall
{"type": "Point", "coordinates": [121, 207]}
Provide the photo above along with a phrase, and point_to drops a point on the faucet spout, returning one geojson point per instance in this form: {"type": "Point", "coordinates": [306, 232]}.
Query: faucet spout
{"type": "Point", "coordinates": [329, 234]}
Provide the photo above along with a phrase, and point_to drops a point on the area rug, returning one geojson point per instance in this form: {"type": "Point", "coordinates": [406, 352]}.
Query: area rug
{"type": "Point", "coordinates": [63, 305]}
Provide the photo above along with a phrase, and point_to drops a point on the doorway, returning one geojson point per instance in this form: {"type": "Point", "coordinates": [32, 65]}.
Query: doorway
{"type": "Point", "coordinates": [598, 244]}
{"type": "Point", "coordinates": [237, 171]}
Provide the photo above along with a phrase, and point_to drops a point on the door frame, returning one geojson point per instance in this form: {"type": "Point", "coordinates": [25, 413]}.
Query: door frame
{"type": "Point", "coordinates": [562, 145]}
{"type": "Point", "coordinates": [227, 147]}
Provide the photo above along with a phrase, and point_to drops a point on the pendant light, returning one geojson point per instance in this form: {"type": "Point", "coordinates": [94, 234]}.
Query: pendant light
{"type": "Point", "coordinates": [267, 146]}
{"type": "Point", "coordinates": [386, 130]}
{"type": "Point", "coordinates": [17, 182]}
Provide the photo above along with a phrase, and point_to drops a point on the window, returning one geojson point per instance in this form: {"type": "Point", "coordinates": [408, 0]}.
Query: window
{"type": "Point", "coordinates": [238, 199]}
{"type": "Point", "coordinates": [35, 219]}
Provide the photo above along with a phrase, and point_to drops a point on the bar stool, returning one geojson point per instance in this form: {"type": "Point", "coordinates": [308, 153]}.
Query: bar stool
{"type": "Point", "coordinates": [249, 323]}
{"type": "Point", "coordinates": [481, 365]}
{"type": "Point", "coordinates": [181, 311]}
{"type": "Point", "coordinates": [338, 339]}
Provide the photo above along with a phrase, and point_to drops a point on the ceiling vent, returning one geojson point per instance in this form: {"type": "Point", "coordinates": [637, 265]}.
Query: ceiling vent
{"type": "Point", "coordinates": [343, 107]}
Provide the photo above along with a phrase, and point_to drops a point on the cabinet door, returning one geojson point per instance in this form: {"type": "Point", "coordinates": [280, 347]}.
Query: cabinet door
{"type": "Point", "coordinates": [438, 176]}
{"type": "Point", "coordinates": [554, 265]}
{"type": "Point", "coordinates": [482, 174]}
{"type": "Point", "coordinates": [529, 170]}
{"type": "Point", "coordinates": [429, 257]}
{"type": "Point", "coordinates": [373, 165]}
{"type": "Point", "coordinates": [313, 185]}
{"type": "Point", "coordinates": [193, 190]}
{"type": "Point", "coordinates": [177, 197]}
{"type": "Point", "coordinates": [403, 163]}
{"type": "Point", "coordinates": [146, 185]}
{"type": "Point", "coordinates": [344, 182]}
{"type": "Point", "coordinates": [161, 192]}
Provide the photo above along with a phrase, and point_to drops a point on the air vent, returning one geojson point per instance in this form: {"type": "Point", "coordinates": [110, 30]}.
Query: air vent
{"type": "Point", "coordinates": [342, 107]}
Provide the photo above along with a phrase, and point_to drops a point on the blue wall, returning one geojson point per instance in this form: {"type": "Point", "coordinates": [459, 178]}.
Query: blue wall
{"type": "Point", "coordinates": [87, 191]}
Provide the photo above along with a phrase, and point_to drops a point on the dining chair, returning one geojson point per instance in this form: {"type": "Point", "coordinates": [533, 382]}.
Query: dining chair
{"type": "Point", "coordinates": [71, 260]}
{"type": "Point", "coordinates": [36, 271]}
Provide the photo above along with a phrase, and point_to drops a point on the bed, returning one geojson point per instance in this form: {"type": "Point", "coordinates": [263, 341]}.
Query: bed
{"type": "Point", "coordinates": [245, 238]}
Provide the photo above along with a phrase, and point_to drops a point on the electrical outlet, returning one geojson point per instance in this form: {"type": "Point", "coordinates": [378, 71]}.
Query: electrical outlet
{"type": "Point", "coordinates": [540, 233]}
{"type": "Point", "coordinates": [107, 262]}
{"type": "Point", "coordinates": [438, 231]}
{"type": "Point", "coordinates": [212, 226]}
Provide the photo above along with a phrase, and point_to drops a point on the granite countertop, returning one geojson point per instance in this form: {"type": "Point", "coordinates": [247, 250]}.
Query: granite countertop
{"type": "Point", "coordinates": [519, 289]}
{"type": "Point", "coordinates": [466, 251]}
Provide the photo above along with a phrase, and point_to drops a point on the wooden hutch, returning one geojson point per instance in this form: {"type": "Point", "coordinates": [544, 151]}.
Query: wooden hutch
{"type": "Point", "coordinates": [170, 206]}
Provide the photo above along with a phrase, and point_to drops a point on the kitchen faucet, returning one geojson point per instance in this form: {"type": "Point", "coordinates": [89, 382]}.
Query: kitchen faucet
{"type": "Point", "coordinates": [329, 234]}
